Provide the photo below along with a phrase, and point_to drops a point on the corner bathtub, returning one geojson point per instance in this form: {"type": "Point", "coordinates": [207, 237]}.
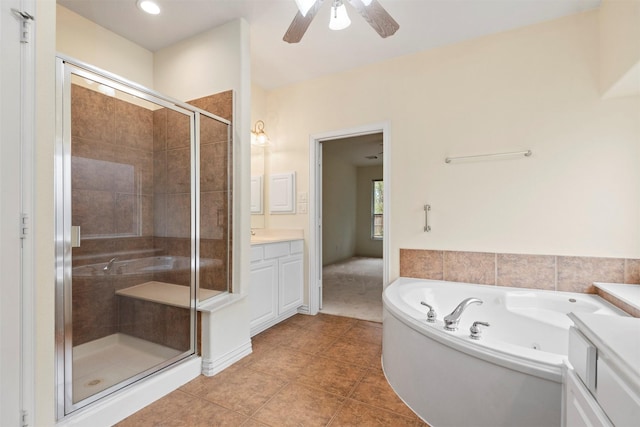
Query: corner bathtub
{"type": "Point", "coordinates": [512, 376]}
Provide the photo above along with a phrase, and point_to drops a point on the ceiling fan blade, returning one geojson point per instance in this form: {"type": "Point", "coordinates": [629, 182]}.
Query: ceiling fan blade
{"type": "Point", "coordinates": [300, 24]}
{"type": "Point", "coordinates": [377, 17]}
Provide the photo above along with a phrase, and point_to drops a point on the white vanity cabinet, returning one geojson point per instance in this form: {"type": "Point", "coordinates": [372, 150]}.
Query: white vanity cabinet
{"type": "Point", "coordinates": [602, 385]}
{"type": "Point", "coordinates": [276, 283]}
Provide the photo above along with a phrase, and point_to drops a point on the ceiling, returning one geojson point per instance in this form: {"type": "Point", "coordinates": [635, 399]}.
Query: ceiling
{"type": "Point", "coordinates": [362, 150]}
{"type": "Point", "coordinates": [424, 24]}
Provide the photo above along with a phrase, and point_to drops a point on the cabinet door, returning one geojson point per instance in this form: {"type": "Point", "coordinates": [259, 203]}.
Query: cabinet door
{"type": "Point", "coordinates": [619, 399]}
{"type": "Point", "coordinates": [291, 278]}
{"type": "Point", "coordinates": [582, 409]}
{"type": "Point", "coordinates": [263, 292]}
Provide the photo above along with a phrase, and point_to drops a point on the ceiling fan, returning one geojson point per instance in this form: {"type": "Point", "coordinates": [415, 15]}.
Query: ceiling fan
{"type": "Point", "coordinates": [370, 10]}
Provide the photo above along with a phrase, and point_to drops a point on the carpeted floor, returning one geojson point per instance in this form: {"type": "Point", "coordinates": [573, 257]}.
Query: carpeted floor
{"type": "Point", "coordinates": [353, 288]}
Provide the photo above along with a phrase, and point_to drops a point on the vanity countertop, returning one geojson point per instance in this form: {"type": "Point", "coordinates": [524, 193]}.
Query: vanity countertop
{"type": "Point", "coordinates": [629, 294]}
{"type": "Point", "coordinates": [617, 339]}
{"type": "Point", "coordinates": [270, 235]}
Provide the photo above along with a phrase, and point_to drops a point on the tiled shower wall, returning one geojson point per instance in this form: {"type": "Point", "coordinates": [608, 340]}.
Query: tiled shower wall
{"type": "Point", "coordinates": [548, 272]}
{"type": "Point", "coordinates": [112, 160]}
{"type": "Point", "coordinates": [131, 191]}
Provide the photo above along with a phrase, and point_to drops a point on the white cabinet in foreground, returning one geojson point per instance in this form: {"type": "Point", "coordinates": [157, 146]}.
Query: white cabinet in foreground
{"type": "Point", "coordinates": [602, 381]}
{"type": "Point", "coordinates": [275, 290]}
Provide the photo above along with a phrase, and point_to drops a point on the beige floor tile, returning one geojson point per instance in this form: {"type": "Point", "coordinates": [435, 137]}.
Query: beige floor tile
{"type": "Point", "coordinates": [299, 320]}
{"type": "Point", "coordinates": [365, 331]}
{"type": "Point", "coordinates": [282, 362]}
{"type": "Point", "coordinates": [309, 370]}
{"type": "Point", "coordinates": [159, 410]}
{"type": "Point", "coordinates": [202, 413]}
{"type": "Point", "coordinates": [353, 351]}
{"type": "Point", "coordinates": [311, 342]}
{"type": "Point", "coordinates": [374, 390]}
{"type": "Point", "coordinates": [297, 405]}
{"type": "Point", "coordinates": [254, 423]}
{"type": "Point", "coordinates": [332, 325]}
{"type": "Point", "coordinates": [331, 376]}
{"type": "Point", "coordinates": [355, 413]}
{"type": "Point", "coordinates": [240, 390]}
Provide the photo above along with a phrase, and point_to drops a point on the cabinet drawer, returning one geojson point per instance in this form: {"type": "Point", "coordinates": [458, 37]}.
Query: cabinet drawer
{"type": "Point", "coordinates": [582, 356]}
{"type": "Point", "coordinates": [296, 247]}
{"type": "Point", "coordinates": [257, 253]}
{"type": "Point", "coordinates": [276, 250]}
{"type": "Point", "coordinates": [618, 400]}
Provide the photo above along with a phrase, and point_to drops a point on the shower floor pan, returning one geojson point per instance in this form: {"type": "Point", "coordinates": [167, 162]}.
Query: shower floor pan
{"type": "Point", "coordinates": [100, 364]}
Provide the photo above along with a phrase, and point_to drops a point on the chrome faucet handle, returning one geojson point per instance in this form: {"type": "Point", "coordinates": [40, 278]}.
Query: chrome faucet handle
{"type": "Point", "coordinates": [107, 268]}
{"type": "Point", "coordinates": [431, 314]}
{"type": "Point", "coordinates": [476, 331]}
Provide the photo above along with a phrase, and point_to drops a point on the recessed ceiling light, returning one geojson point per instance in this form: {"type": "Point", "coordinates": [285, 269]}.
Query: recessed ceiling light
{"type": "Point", "coordinates": [149, 6]}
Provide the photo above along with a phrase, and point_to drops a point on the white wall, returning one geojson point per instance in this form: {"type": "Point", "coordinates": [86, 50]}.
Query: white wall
{"type": "Point", "coordinates": [83, 40]}
{"type": "Point", "coordinates": [365, 245]}
{"type": "Point", "coordinates": [339, 195]}
{"type": "Point", "coordinates": [532, 88]}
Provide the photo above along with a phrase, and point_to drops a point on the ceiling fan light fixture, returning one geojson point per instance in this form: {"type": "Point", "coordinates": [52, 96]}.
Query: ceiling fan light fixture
{"type": "Point", "coordinates": [304, 6]}
{"type": "Point", "coordinates": [339, 18]}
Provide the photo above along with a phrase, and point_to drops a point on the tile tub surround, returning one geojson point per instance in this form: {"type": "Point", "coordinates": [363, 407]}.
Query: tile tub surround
{"type": "Point", "coordinates": [308, 370]}
{"type": "Point", "coordinates": [548, 272]}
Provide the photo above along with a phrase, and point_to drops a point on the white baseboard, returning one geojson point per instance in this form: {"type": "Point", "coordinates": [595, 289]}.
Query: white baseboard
{"type": "Point", "coordinates": [115, 408]}
{"type": "Point", "coordinates": [304, 309]}
{"type": "Point", "coordinates": [212, 367]}
{"type": "Point", "coordinates": [266, 325]}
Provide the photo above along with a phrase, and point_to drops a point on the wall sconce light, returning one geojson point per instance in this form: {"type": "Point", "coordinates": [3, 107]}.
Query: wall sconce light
{"type": "Point", "coordinates": [258, 137]}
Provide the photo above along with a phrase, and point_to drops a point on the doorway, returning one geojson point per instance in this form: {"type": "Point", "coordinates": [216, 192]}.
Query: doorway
{"type": "Point", "coordinates": [349, 242]}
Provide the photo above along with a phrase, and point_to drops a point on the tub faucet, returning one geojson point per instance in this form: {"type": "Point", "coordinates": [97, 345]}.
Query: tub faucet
{"type": "Point", "coordinates": [451, 320]}
{"type": "Point", "coordinates": [107, 268]}
{"type": "Point", "coordinates": [431, 315]}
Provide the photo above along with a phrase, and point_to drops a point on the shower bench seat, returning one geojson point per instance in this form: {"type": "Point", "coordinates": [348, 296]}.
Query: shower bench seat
{"type": "Point", "coordinates": [165, 293]}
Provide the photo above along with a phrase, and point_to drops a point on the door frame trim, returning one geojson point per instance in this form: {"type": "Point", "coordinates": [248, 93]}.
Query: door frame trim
{"type": "Point", "coordinates": [315, 202]}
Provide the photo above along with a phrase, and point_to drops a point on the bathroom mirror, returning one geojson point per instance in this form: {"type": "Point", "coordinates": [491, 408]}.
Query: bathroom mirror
{"type": "Point", "coordinates": [258, 193]}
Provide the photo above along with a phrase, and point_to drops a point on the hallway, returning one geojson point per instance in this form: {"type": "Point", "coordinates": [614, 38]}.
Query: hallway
{"type": "Point", "coordinates": [353, 288]}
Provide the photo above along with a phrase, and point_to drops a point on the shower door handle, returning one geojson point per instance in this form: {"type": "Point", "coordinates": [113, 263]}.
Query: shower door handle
{"type": "Point", "coordinates": [75, 236]}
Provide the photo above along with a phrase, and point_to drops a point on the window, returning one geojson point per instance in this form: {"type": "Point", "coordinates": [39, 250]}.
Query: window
{"type": "Point", "coordinates": [377, 203]}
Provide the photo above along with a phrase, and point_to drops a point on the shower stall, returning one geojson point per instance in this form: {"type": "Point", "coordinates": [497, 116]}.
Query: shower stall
{"type": "Point", "coordinates": [143, 198]}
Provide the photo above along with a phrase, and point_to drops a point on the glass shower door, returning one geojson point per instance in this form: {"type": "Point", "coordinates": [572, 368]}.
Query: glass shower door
{"type": "Point", "coordinates": [128, 221]}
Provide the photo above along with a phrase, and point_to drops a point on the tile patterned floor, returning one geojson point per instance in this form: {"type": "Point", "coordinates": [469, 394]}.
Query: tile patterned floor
{"type": "Point", "coordinates": [307, 371]}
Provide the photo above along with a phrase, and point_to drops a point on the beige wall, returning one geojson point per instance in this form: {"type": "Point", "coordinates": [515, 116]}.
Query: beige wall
{"type": "Point", "coordinates": [339, 195]}
{"type": "Point", "coordinates": [258, 154]}
{"type": "Point", "coordinates": [44, 214]}
{"type": "Point", "coordinates": [533, 88]}
{"type": "Point", "coordinates": [620, 47]}
{"type": "Point", "coordinates": [83, 40]}
{"type": "Point", "coordinates": [365, 245]}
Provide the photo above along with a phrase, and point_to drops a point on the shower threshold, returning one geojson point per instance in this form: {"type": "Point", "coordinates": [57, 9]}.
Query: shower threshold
{"type": "Point", "coordinates": [102, 363]}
